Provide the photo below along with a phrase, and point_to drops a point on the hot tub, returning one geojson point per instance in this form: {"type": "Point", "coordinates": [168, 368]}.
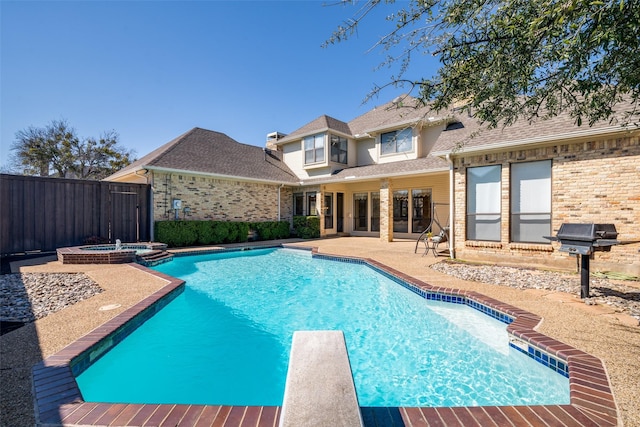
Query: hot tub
{"type": "Point", "coordinates": [106, 254]}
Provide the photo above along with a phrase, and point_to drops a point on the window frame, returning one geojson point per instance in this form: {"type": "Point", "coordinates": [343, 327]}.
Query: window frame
{"type": "Point", "coordinates": [316, 146]}
{"type": "Point", "coordinates": [486, 228]}
{"type": "Point", "coordinates": [390, 141]}
{"type": "Point", "coordinates": [538, 187]}
{"type": "Point", "coordinates": [298, 204]}
{"type": "Point", "coordinates": [338, 147]}
{"type": "Point", "coordinates": [312, 204]}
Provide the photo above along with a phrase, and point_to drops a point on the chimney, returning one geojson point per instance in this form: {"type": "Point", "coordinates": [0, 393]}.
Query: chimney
{"type": "Point", "coordinates": [273, 138]}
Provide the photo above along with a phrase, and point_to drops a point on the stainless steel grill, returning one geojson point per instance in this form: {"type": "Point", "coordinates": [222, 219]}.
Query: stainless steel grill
{"type": "Point", "coordinates": [584, 239]}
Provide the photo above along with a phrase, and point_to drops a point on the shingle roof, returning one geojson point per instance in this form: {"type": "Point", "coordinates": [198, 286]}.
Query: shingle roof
{"type": "Point", "coordinates": [474, 136]}
{"type": "Point", "coordinates": [210, 152]}
{"type": "Point", "coordinates": [403, 109]}
{"type": "Point", "coordinates": [322, 123]}
{"type": "Point", "coordinates": [401, 168]}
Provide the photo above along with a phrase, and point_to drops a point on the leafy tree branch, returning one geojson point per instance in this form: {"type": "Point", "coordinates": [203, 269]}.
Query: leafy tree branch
{"type": "Point", "coordinates": [514, 59]}
{"type": "Point", "coordinates": [56, 150]}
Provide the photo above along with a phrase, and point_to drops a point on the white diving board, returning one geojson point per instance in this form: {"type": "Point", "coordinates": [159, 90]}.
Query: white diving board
{"type": "Point", "coordinates": [319, 390]}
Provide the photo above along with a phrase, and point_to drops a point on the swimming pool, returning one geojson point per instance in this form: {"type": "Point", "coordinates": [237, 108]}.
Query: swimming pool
{"type": "Point", "coordinates": [448, 354]}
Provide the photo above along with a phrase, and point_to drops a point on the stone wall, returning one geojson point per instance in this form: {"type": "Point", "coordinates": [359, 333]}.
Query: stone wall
{"type": "Point", "coordinates": [207, 198]}
{"type": "Point", "coordinates": [592, 181]}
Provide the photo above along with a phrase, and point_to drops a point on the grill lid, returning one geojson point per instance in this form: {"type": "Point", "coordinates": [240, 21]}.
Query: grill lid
{"type": "Point", "coordinates": [586, 232]}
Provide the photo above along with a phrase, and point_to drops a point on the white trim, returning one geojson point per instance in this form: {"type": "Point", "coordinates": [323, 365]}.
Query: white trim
{"type": "Point", "coordinates": [293, 138]}
{"type": "Point", "coordinates": [352, 178]}
{"type": "Point", "coordinates": [220, 176]}
{"type": "Point", "coordinates": [555, 138]}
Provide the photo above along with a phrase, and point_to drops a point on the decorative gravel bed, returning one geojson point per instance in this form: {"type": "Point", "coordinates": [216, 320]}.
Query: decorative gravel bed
{"type": "Point", "coordinates": [602, 291]}
{"type": "Point", "coordinates": [25, 297]}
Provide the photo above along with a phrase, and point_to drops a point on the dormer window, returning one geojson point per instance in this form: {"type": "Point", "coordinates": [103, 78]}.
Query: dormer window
{"type": "Point", "coordinates": [338, 149]}
{"type": "Point", "coordinates": [314, 149]}
{"type": "Point", "coordinates": [398, 141]}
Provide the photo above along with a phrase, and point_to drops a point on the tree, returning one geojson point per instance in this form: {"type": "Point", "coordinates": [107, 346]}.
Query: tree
{"type": "Point", "coordinates": [505, 60]}
{"type": "Point", "coordinates": [56, 150]}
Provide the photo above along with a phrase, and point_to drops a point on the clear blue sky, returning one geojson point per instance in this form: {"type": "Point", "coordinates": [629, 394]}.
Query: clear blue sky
{"type": "Point", "coordinates": [152, 70]}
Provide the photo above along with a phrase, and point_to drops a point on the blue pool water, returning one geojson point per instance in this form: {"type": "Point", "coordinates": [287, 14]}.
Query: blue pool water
{"type": "Point", "coordinates": [226, 339]}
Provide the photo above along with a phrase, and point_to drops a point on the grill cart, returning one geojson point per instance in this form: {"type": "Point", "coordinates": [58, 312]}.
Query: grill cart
{"type": "Point", "coordinates": [585, 239]}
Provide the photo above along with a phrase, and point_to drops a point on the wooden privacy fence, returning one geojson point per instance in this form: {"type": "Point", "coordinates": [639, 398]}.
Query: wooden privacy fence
{"type": "Point", "coordinates": [42, 214]}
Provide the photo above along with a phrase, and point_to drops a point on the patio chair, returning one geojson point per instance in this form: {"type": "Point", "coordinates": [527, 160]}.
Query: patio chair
{"type": "Point", "coordinates": [433, 243]}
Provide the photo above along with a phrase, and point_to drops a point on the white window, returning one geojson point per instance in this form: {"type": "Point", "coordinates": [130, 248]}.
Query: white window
{"type": "Point", "coordinates": [483, 203]}
{"type": "Point", "coordinates": [314, 149]}
{"type": "Point", "coordinates": [311, 204]}
{"type": "Point", "coordinates": [338, 149]}
{"type": "Point", "coordinates": [531, 202]}
{"type": "Point", "coordinates": [398, 141]}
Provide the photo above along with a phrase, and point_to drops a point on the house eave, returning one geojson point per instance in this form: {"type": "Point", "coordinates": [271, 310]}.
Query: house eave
{"type": "Point", "coordinates": [430, 121]}
{"type": "Point", "coordinates": [349, 179]}
{"type": "Point", "coordinates": [538, 141]}
{"type": "Point", "coordinates": [296, 138]}
{"type": "Point", "coordinates": [218, 176]}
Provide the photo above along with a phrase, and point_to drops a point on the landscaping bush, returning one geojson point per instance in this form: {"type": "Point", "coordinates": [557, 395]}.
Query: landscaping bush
{"type": "Point", "coordinates": [189, 233]}
{"type": "Point", "coordinates": [306, 227]}
{"type": "Point", "coordinates": [271, 230]}
{"type": "Point", "coordinates": [176, 233]}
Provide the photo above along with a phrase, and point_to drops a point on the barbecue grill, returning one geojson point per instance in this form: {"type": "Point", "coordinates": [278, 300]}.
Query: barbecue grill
{"type": "Point", "coordinates": [584, 239]}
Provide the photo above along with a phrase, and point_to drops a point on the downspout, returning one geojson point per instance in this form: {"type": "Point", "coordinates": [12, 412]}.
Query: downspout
{"type": "Point", "coordinates": [452, 218]}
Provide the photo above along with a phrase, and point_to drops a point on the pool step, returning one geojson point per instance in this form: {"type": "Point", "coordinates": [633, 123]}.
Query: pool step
{"type": "Point", "coordinates": [154, 257]}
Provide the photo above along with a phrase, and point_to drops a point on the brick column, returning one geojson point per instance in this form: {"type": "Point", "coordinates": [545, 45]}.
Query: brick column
{"type": "Point", "coordinates": [386, 211]}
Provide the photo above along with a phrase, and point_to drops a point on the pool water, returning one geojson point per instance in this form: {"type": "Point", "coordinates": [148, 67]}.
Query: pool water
{"type": "Point", "coordinates": [226, 339]}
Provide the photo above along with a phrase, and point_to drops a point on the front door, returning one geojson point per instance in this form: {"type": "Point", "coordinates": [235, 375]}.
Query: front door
{"type": "Point", "coordinates": [340, 212]}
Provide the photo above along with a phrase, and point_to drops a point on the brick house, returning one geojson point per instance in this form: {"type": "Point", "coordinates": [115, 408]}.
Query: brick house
{"type": "Point", "coordinates": [401, 169]}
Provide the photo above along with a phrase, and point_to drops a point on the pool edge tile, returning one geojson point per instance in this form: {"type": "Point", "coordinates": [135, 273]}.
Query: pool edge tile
{"type": "Point", "coordinates": [592, 398]}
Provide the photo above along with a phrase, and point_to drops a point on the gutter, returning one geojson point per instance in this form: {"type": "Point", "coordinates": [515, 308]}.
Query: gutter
{"type": "Point", "coordinates": [370, 177]}
{"type": "Point", "coordinates": [609, 130]}
{"type": "Point", "coordinates": [228, 177]}
{"type": "Point", "coordinates": [452, 218]}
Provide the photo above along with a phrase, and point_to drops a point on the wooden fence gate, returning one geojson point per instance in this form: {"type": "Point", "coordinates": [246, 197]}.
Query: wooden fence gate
{"type": "Point", "coordinates": [42, 214]}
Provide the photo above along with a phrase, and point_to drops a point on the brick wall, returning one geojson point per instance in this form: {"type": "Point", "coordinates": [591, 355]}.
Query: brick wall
{"type": "Point", "coordinates": [216, 199]}
{"type": "Point", "coordinates": [593, 181]}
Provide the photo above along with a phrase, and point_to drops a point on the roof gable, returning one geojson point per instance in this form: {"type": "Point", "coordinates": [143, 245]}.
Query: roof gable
{"type": "Point", "coordinates": [321, 124]}
{"type": "Point", "coordinates": [209, 152]}
{"type": "Point", "coordinates": [402, 110]}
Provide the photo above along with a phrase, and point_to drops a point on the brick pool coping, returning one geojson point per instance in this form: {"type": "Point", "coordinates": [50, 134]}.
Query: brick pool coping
{"type": "Point", "coordinates": [80, 254]}
{"type": "Point", "coordinates": [58, 400]}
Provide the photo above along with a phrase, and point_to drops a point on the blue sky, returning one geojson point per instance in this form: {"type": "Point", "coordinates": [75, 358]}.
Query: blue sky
{"type": "Point", "coordinates": [152, 70]}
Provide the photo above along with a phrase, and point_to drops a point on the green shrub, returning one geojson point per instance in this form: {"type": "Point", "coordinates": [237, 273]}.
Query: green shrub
{"type": "Point", "coordinates": [306, 227]}
{"type": "Point", "coordinates": [271, 230]}
{"type": "Point", "coordinates": [189, 233]}
{"type": "Point", "coordinates": [176, 233]}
